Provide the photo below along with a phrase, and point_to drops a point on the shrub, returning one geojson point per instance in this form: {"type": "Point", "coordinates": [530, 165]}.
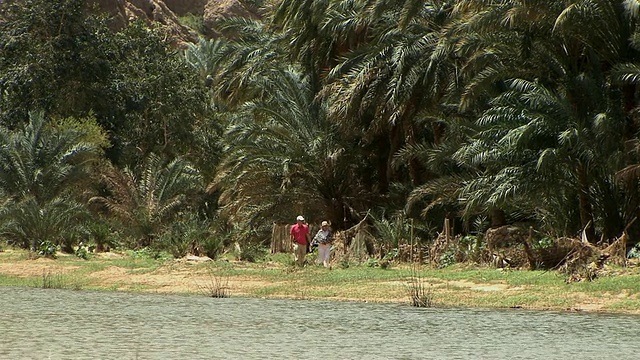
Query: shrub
{"type": "Point", "coordinates": [82, 252]}
{"type": "Point", "coordinates": [250, 252]}
{"type": "Point", "coordinates": [101, 234]}
{"type": "Point", "coordinates": [194, 22]}
{"type": "Point", "coordinates": [189, 235]}
{"type": "Point", "coordinates": [48, 249]}
{"type": "Point", "coordinates": [212, 246]}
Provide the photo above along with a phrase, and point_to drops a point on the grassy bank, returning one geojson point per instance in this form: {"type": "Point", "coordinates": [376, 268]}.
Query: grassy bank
{"type": "Point", "coordinates": [457, 286]}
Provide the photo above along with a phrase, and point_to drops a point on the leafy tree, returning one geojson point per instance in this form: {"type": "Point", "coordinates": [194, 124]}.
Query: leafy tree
{"type": "Point", "coordinates": [58, 57]}
{"type": "Point", "coordinates": [157, 100]}
{"type": "Point", "coordinates": [50, 50]}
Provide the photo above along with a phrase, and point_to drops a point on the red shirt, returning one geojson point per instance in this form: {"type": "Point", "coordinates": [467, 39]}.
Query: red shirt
{"type": "Point", "coordinates": [300, 232]}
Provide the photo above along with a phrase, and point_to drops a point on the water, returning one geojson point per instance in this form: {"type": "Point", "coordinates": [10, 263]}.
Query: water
{"type": "Point", "coordinates": [64, 324]}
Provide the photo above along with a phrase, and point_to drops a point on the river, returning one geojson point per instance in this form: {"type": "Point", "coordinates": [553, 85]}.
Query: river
{"type": "Point", "coordinates": [64, 324]}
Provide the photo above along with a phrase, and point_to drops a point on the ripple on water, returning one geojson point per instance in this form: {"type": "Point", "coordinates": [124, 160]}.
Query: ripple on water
{"type": "Point", "coordinates": [62, 324]}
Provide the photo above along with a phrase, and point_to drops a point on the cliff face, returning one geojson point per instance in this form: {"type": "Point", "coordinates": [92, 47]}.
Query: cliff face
{"type": "Point", "coordinates": [123, 12]}
{"type": "Point", "coordinates": [216, 10]}
{"type": "Point", "coordinates": [184, 7]}
{"type": "Point", "coordinates": [166, 12]}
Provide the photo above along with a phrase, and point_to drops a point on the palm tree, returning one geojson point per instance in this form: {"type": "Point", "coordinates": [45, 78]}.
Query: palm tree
{"type": "Point", "coordinates": [396, 88]}
{"type": "Point", "coordinates": [44, 168]}
{"type": "Point", "coordinates": [44, 160]}
{"type": "Point", "coordinates": [59, 221]}
{"type": "Point", "coordinates": [282, 157]}
{"type": "Point", "coordinates": [146, 200]}
{"type": "Point", "coordinates": [207, 56]}
{"type": "Point", "coordinates": [238, 63]}
{"type": "Point", "coordinates": [519, 55]}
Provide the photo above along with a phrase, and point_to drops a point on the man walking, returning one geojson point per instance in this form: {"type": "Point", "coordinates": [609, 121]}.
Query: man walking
{"type": "Point", "coordinates": [299, 235]}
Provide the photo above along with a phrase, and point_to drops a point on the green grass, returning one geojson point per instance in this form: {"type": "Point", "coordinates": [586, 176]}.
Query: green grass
{"type": "Point", "coordinates": [459, 285]}
{"type": "Point", "coordinates": [624, 305]}
{"type": "Point", "coordinates": [7, 280]}
{"type": "Point", "coordinates": [629, 283]}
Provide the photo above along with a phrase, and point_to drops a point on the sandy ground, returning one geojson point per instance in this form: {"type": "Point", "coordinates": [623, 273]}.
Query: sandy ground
{"type": "Point", "coordinates": [178, 277]}
{"type": "Point", "coordinates": [182, 276]}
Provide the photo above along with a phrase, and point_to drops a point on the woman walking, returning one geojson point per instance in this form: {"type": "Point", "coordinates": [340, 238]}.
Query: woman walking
{"type": "Point", "coordinates": [324, 239]}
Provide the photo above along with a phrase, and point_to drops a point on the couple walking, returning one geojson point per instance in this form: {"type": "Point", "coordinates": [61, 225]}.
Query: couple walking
{"type": "Point", "coordinates": [299, 235]}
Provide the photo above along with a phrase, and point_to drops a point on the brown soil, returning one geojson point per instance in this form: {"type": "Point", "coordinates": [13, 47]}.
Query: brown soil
{"type": "Point", "coordinates": [187, 277]}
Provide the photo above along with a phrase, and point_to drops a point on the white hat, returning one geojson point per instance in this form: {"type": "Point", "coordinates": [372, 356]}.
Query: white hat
{"type": "Point", "coordinates": [324, 223]}
{"type": "Point", "coordinates": [300, 218]}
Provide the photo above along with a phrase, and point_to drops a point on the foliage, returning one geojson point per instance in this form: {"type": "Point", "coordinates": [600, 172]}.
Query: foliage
{"type": "Point", "coordinates": [49, 50]}
{"type": "Point", "coordinates": [58, 221]}
{"type": "Point", "coordinates": [101, 235]}
{"type": "Point", "coordinates": [188, 234]}
{"type": "Point", "coordinates": [48, 249]}
{"type": "Point", "coordinates": [195, 22]}
{"type": "Point", "coordinates": [215, 285]}
{"type": "Point", "coordinates": [419, 294]}
{"type": "Point", "coordinates": [469, 110]}
{"type": "Point", "coordinates": [393, 232]}
{"type": "Point", "coordinates": [212, 245]}
{"type": "Point", "coordinates": [543, 243]}
{"type": "Point", "coordinates": [149, 197]}
{"type": "Point", "coordinates": [53, 280]}
{"type": "Point", "coordinates": [135, 83]}
{"type": "Point", "coordinates": [44, 160]}
{"type": "Point", "coordinates": [249, 252]}
{"type": "Point", "coordinates": [150, 253]}
{"type": "Point", "coordinates": [82, 251]}
{"type": "Point", "coordinates": [155, 106]}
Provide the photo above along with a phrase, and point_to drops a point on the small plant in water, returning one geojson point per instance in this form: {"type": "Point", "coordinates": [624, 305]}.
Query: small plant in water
{"type": "Point", "coordinates": [215, 286]}
{"type": "Point", "coordinates": [419, 294]}
{"type": "Point", "coordinates": [52, 281]}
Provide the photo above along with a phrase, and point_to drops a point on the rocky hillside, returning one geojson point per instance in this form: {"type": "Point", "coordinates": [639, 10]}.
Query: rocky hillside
{"type": "Point", "coordinates": [166, 12]}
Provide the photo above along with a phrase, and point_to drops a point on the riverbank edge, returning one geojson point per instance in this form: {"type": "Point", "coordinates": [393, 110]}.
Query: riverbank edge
{"type": "Point", "coordinates": [443, 288]}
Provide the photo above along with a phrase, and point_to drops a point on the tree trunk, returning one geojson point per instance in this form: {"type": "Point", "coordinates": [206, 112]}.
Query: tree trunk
{"type": "Point", "coordinates": [586, 209]}
{"type": "Point", "coordinates": [498, 218]}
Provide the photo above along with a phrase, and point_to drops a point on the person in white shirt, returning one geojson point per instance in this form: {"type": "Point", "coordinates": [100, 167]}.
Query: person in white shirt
{"type": "Point", "coordinates": [324, 239]}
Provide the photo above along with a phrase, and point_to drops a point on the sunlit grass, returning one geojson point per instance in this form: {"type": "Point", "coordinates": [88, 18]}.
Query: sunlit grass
{"type": "Point", "coordinates": [457, 286]}
{"type": "Point", "coordinates": [9, 280]}
{"type": "Point", "coordinates": [626, 305]}
{"type": "Point", "coordinates": [629, 283]}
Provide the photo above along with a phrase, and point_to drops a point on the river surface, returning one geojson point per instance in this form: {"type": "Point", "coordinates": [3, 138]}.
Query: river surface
{"type": "Point", "coordinates": [64, 324]}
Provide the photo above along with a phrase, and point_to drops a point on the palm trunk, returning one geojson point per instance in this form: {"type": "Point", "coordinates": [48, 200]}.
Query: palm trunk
{"type": "Point", "coordinates": [498, 218]}
{"type": "Point", "coordinates": [586, 209]}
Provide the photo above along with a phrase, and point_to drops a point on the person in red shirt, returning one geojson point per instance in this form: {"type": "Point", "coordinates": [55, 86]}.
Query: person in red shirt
{"type": "Point", "coordinates": [299, 235]}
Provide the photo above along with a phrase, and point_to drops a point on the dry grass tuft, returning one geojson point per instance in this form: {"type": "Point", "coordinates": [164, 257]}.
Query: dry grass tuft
{"type": "Point", "coordinates": [215, 286]}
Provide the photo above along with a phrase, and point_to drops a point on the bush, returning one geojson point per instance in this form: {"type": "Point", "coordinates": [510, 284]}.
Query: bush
{"type": "Point", "coordinates": [250, 252]}
{"type": "Point", "coordinates": [150, 253]}
{"type": "Point", "coordinates": [48, 249]}
{"type": "Point", "coordinates": [82, 252]}
{"type": "Point", "coordinates": [194, 22]}
{"type": "Point", "coordinates": [212, 246]}
{"type": "Point", "coordinates": [101, 234]}
{"type": "Point", "coordinates": [188, 235]}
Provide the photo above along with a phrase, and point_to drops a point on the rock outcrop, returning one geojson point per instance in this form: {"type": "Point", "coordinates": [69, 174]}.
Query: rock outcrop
{"type": "Point", "coordinates": [166, 13]}
{"type": "Point", "coordinates": [185, 7]}
{"type": "Point", "coordinates": [123, 12]}
{"type": "Point", "coordinates": [216, 10]}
